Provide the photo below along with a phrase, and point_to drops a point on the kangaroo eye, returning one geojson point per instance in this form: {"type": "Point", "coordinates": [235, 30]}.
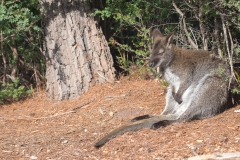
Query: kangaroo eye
{"type": "Point", "coordinates": [160, 54]}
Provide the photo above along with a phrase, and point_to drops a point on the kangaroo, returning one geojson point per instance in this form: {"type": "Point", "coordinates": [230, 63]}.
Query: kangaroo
{"type": "Point", "coordinates": [198, 86]}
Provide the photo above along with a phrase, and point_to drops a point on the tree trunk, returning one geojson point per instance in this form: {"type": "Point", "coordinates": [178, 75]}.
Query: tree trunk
{"type": "Point", "coordinates": [15, 59]}
{"type": "Point", "coordinates": [77, 54]}
{"type": "Point", "coordinates": [3, 58]}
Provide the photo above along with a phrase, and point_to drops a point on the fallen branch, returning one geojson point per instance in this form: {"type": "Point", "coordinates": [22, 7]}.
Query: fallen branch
{"type": "Point", "coordinates": [82, 105]}
{"type": "Point", "coordinates": [56, 115]}
{"type": "Point", "coordinates": [104, 77]}
{"type": "Point", "coordinates": [194, 151]}
{"type": "Point", "coordinates": [222, 156]}
{"type": "Point", "coordinates": [122, 95]}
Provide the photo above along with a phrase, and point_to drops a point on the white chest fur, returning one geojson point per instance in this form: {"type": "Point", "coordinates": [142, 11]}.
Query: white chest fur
{"type": "Point", "coordinates": [172, 79]}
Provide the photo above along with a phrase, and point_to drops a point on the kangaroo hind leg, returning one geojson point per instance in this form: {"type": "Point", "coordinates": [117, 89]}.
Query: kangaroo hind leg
{"type": "Point", "coordinates": [207, 100]}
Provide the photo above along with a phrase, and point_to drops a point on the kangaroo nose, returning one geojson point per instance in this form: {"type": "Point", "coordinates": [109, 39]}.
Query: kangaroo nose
{"type": "Point", "coordinates": [151, 64]}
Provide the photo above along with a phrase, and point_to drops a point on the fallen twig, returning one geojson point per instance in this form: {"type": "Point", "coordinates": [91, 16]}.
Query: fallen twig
{"type": "Point", "coordinates": [84, 104]}
{"type": "Point", "coordinates": [104, 77]}
{"type": "Point", "coordinates": [222, 156]}
{"type": "Point", "coordinates": [122, 95]}
{"type": "Point", "coordinates": [56, 115]}
{"type": "Point", "coordinates": [194, 151]}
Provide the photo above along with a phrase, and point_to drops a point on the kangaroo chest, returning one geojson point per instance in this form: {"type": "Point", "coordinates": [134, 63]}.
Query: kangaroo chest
{"type": "Point", "coordinates": [172, 78]}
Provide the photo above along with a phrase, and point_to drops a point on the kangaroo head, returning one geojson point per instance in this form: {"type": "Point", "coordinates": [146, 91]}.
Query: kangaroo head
{"type": "Point", "coordinates": [162, 53]}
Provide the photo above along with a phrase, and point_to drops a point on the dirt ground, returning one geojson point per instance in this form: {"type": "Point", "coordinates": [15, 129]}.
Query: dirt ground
{"type": "Point", "coordinates": [40, 129]}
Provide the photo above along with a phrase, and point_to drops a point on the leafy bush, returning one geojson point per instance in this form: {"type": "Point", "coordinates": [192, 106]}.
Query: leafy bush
{"type": "Point", "coordinates": [129, 32]}
{"type": "Point", "coordinates": [198, 25]}
{"type": "Point", "coordinates": [13, 91]}
{"type": "Point", "coordinates": [21, 53]}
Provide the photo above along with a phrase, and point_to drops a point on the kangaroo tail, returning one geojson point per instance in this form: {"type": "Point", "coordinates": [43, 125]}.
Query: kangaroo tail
{"type": "Point", "coordinates": [133, 126]}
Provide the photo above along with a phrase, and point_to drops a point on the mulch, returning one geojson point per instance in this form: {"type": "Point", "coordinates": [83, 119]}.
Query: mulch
{"type": "Point", "coordinates": [40, 129]}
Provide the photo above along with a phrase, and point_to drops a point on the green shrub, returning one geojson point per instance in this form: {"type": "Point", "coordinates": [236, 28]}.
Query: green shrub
{"type": "Point", "coordinates": [13, 91]}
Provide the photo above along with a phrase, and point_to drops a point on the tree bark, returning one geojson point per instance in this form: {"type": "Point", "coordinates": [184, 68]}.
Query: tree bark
{"type": "Point", "coordinates": [77, 54]}
{"type": "Point", "coordinates": [15, 59]}
{"type": "Point", "coordinates": [4, 59]}
{"type": "Point", "coordinates": [3, 55]}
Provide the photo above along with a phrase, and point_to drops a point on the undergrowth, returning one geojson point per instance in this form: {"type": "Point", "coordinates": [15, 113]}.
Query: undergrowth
{"type": "Point", "coordinates": [14, 91]}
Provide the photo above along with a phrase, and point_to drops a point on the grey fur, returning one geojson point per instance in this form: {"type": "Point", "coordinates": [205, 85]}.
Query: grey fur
{"type": "Point", "coordinates": [197, 86]}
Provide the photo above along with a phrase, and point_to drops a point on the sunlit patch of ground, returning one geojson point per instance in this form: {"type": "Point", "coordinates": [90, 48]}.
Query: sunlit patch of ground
{"type": "Point", "coordinates": [40, 129]}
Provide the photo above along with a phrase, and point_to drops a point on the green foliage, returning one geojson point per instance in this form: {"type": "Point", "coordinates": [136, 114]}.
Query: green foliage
{"type": "Point", "coordinates": [16, 17]}
{"type": "Point", "coordinates": [13, 91]}
{"type": "Point", "coordinates": [130, 31]}
{"type": "Point", "coordinates": [236, 90]}
{"type": "Point", "coordinates": [162, 82]}
{"type": "Point", "coordinates": [21, 47]}
{"type": "Point", "coordinates": [127, 25]}
{"type": "Point", "coordinates": [220, 70]}
{"type": "Point", "coordinates": [123, 60]}
{"type": "Point", "coordinates": [131, 22]}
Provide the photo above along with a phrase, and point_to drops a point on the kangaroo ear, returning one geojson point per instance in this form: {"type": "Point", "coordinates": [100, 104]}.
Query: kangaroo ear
{"type": "Point", "coordinates": [156, 34]}
{"type": "Point", "coordinates": [169, 39]}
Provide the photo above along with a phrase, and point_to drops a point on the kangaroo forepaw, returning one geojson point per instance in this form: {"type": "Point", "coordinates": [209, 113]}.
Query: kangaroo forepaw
{"type": "Point", "coordinates": [141, 118]}
{"type": "Point", "coordinates": [177, 98]}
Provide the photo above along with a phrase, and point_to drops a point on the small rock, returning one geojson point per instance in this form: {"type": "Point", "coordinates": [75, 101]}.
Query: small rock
{"type": "Point", "coordinates": [237, 111]}
{"type": "Point", "coordinates": [33, 157]}
{"type": "Point", "coordinates": [200, 141]}
{"type": "Point", "coordinates": [101, 111]}
{"type": "Point", "coordinates": [111, 113]}
{"type": "Point", "coordinates": [65, 141]}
